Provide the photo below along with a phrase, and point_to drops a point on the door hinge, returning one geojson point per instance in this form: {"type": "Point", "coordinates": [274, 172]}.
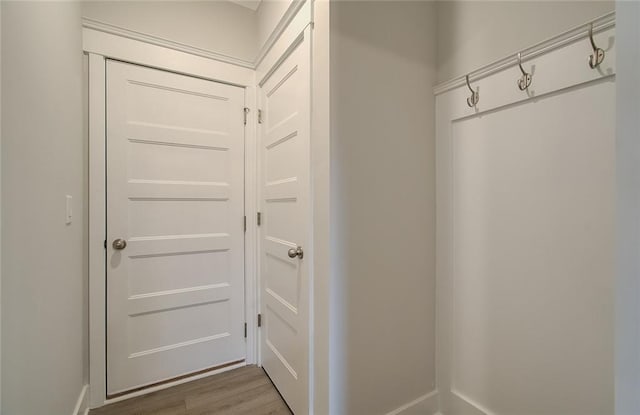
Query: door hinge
{"type": "Point", "coordinates": [105, 244]}
{"type": "Point", "coordinates": [245, 223]}
{"type": "Point", "coordinates": [259, 215]}
{"type": "Point", "coordinates": [245, 330]}
{"type": "Point", "coordinates": [246, 112]}
{"type": "Point", "coordinates": [259, 116]}
{"type": "Point", "coordinates": [259, 320]}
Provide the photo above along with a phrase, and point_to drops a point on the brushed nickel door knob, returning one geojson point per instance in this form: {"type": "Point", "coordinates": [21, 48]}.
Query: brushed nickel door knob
{"type": "Point", "coordinates": [296, 252]}
{"type": "Point", "coordinates": [119, 244]}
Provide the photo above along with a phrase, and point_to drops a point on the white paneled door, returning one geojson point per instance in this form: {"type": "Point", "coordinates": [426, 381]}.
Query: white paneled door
{"type": "Point", "coordinates": [175, 226]}
{"type": "Point", "coordinates": [284, 231]}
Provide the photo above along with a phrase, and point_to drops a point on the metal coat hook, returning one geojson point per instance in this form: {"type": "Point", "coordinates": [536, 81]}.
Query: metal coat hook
{"type": "Point", "coordinates": [525, 80]}
{"type": "Point", "coordinates": [596, 58]}
{"type": "Point", "coordinates": [472, 101]}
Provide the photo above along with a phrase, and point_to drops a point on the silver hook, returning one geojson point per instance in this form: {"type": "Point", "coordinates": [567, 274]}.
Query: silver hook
{"type": "Point", "coordinates": [525, 80]}
{"type": "Point", "coordinates": [597, 57]}
{"type": "Point", "coordinates": [472, 101]}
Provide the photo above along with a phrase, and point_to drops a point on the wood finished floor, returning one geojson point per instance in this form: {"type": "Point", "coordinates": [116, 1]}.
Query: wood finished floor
{"type": "Point", "coordinates": [244, 391]}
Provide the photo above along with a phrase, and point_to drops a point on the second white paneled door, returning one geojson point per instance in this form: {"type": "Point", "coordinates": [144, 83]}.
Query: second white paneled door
{"type": "Point", "coordinates": [285, 231]}
{"type": "Point", "coordinates": [175, 231]}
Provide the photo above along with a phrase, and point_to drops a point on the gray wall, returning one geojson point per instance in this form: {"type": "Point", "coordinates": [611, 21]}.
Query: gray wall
{"type": "Point", "coordinates": [628, 206]}
{"type": "Point", "coordinates": [474, 33]}
{"type": "Point", "coordinates": [382, 57]}
{"type": "Point", "coordinates": [42, 161]}
{"type": "Point", "coordinates": [217, 26]}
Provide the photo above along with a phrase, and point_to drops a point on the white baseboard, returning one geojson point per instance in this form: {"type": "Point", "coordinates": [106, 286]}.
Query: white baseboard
{"type": "Point", "coordinates": [82, 404]}
{"type": "Point", "coordinates": [424, 405]}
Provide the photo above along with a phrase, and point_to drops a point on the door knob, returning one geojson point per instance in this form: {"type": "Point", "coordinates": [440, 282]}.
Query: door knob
{"type": "Point", "coordinates": [296, 252]}
{"type": "Point", "coordinates": [119, 244]}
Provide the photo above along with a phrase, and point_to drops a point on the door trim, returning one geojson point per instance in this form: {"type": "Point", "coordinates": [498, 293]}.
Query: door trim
{"type": "Point", "coordinates": [163, 59]}
{"type": "Point", "coordinates": [119, 47]}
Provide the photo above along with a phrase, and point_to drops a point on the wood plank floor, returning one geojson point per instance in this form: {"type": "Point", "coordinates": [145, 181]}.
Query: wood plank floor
{"type": "Point", "coordinates": [242, 391]}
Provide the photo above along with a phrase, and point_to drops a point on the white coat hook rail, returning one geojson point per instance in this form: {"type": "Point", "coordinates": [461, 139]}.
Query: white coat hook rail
{"type": "Point", "coordinates": [473, 100]}
{"type": "Point", "coordinates": [580, 32]}
{"type": "Point", "coordinates": [525, 80]}
{"type": "Point", "coordinates": [596, 58]}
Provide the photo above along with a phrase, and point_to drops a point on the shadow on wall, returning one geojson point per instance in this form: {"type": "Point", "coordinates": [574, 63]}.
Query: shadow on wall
{"type": "Point", "coordinates": [382, 109]}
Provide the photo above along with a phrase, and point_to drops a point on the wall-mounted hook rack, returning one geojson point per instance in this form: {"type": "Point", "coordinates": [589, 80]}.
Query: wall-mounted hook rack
{"type": "Point", "coordinates": [525, 80]}
{"type": "Point", "coordinates": [596, 58]}
{"type": "Point", "coordinates": [473, 100]}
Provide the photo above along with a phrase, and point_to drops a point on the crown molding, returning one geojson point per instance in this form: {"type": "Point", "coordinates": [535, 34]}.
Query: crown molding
{"type": "Point", "coordinates": [159, 41]}
{"type": "Point", "coordinates": [288, 16]}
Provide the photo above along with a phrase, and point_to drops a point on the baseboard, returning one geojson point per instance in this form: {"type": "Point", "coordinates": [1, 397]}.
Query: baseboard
{"type": "Point", "coordinates": [82, 404]}
{"type": "Point", "coordinates": [424, 405]}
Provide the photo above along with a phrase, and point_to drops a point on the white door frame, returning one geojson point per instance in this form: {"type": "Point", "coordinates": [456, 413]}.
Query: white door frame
{"type": "Point", "coordinates": [100, 46]}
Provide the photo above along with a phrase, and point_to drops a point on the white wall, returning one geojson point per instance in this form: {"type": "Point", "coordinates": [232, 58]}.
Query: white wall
{"type": "Point", "coordinates": [382, 205]}
{"type": "Point", "coordinates": [628, 206]}
{"type": "Point", "coordinates": [216, 26]}
{"type": "Point", "coordinates": [321, 185]}
{"type": "Point", "coordinates": [526, 294]}
{"type": "Point", "coordinates": [531, 288]}
{"type": "Point", "coordinates": [42, 153]}
{"type": "Point", "coordinates": [474, 33]}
